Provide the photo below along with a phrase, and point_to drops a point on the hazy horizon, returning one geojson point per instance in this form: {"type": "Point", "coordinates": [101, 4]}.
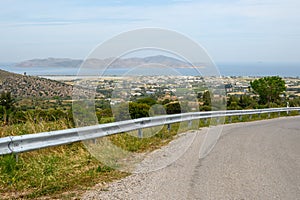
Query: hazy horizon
{"type": "Point", "coordinates": [283, 69]}
{"type": "Point", "coordinates": [236, 30]}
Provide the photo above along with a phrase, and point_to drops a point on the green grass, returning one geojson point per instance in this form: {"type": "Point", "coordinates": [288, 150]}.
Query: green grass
{"type": "Point", "coordinates": [105, 120]}
{"type": "Point", "coordinates": [131, 142]}
{"type": "Point", "coordinates": [68, 171]}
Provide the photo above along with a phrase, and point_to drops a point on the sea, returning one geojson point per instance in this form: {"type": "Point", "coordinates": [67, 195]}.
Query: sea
{"type": "Point", "coordinates": [257, 69]}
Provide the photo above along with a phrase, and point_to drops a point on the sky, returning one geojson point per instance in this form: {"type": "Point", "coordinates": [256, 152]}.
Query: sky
{"type": "Point", "coordinates": [230, 30]}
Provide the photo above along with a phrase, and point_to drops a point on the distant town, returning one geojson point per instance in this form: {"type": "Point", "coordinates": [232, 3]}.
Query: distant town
{"type": "Point", "coordinates": [51, 98]}
{"type": "Point", "coordinates": [143, 86]}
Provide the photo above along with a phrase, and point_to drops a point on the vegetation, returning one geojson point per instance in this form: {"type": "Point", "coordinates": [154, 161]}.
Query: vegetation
{"type": "Point", "coordinates": [268, 89]}
{"type": "Point", "coordinates": [67, 171]}
{"type": "Point", "coordinates": [295, 102]}
{"type": "Point", "coordinates": [206, 98]}
{"type": "Point", "coordinates": [6, 102]}
{"type": "Point", "coordinates": [64, 171]}
{"type": "Point", "coordinates": [242, 102]}
{"type": "Point", "coordinates": [61, 172]}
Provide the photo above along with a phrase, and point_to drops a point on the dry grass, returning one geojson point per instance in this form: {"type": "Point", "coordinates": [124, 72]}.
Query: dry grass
{"type": "Point", "coordinates": [66, 169]}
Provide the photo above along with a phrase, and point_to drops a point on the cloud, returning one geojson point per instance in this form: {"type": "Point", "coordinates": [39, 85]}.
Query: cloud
{"type": "Point", "coordinates": [41, 22]}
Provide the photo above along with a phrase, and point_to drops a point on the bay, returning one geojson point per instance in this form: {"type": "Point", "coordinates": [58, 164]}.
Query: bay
{"type": "Point", "coordinates": [283, 69]}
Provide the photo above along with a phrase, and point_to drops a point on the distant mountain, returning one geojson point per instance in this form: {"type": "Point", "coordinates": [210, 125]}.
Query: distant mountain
{"type": "Point", "coordinates": [50, 62]}
{"type": "Point", "coordinates": [30, 86]}
{"type": "Point", "coordinates": [94, 63]}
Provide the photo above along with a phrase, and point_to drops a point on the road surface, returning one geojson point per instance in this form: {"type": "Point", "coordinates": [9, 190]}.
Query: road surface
{"type": "Point", "coordinates": [253, 160]}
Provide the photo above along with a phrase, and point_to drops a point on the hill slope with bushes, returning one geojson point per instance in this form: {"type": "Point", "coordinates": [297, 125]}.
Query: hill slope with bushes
{"type": "Point", "coordinates": [31, 86]}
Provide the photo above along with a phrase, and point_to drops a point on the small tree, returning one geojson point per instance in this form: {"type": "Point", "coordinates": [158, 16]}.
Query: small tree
{"type": "Point", "coordinates": [206, 98]}
{"type": "Point", "coordinates": [138, 110]}
{"type": "Point", "coordinates": [173, 108]}
{"type": "Point", "coordinates": [232, 103]}
{"type": "Point", "coordinates": [246, 101]}
{"type": "Point", "coordinates": [268, 89]}
{"type": "Point", "coordinates": [6, 101]}
{"type": "Point", "coordinates": [127, 111]}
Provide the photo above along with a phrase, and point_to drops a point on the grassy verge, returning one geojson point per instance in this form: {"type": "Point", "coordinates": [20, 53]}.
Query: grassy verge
{"type": "Point", "coordinates": [30, 127]}
{"type": "Point", "coordinates": [66, 172]}
{"type": "Point", "coordinates": [60, 172]}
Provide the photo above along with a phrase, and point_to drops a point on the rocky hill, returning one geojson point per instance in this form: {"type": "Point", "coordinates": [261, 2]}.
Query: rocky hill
{"type": "Point", "coordinates": [31, 86]}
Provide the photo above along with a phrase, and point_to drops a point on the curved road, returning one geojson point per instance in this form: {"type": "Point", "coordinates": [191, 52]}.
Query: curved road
{"type": "Point", "coordinates": [254, 160]}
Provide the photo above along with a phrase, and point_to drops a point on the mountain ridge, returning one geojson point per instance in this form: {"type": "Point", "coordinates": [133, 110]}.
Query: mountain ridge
{"type": "Point", "coordinates": [94, 62]}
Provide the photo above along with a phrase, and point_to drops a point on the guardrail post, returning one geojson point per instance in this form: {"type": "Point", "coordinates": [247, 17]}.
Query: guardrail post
{"type": "Point", "coordinates": [240, 117]}
{"type": "Point", "coordinates": [140, 133]}
{"type": "Point", "coordinates": [269, 115]}
{"type": "Point", "coordinates": [190, 123]}
{"type": "Point", "coordinates": [205, 121]}
{"type": "Point", "coordinates": [250, 117]}
{"type": "Point", "coordinates": [259, 115]}
{"type": "Point", "coordinates": [169, 127]}
{"type": "Point", "coordinates": [279, 114]}
{"type": "Point", "coordinates": [17, 157]}
{"type": "Point", "coordinates": [229, 119]}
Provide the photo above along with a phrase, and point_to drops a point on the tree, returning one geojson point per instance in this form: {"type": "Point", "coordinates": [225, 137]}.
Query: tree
{"type": "Point", "coordinates": [165, 101]}
{"type": "Point", "coordinates": [138, 110]}
{"type": "Point", "coordinates": [173, 108]}
{"type": "Point", "coordinates": [206, 98]}
{"type": "Point", "coordinates": [268, 88]}
{"type": "Point", "coordinates": [246, 101]}
{"type": "Point", "coordinates": [132, 110]}
{"type": "Point", "coordinates": [6, 101]}
{"type": "Point", "coordinates": [147, 100]}
{"type": "Point", "coordinates": [232, 103]}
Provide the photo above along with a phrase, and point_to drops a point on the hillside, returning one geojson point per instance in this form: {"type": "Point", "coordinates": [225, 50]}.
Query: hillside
{"type": "Point", "coordinates": [30, 86]}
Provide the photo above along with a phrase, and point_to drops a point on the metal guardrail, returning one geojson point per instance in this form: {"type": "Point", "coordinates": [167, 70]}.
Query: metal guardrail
{"type": "Point", "coordinates": [30, 142]}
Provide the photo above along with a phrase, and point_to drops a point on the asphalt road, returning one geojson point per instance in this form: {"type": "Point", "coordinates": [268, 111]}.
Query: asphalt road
{"type": "Point", "coordinates": [254, 160]}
